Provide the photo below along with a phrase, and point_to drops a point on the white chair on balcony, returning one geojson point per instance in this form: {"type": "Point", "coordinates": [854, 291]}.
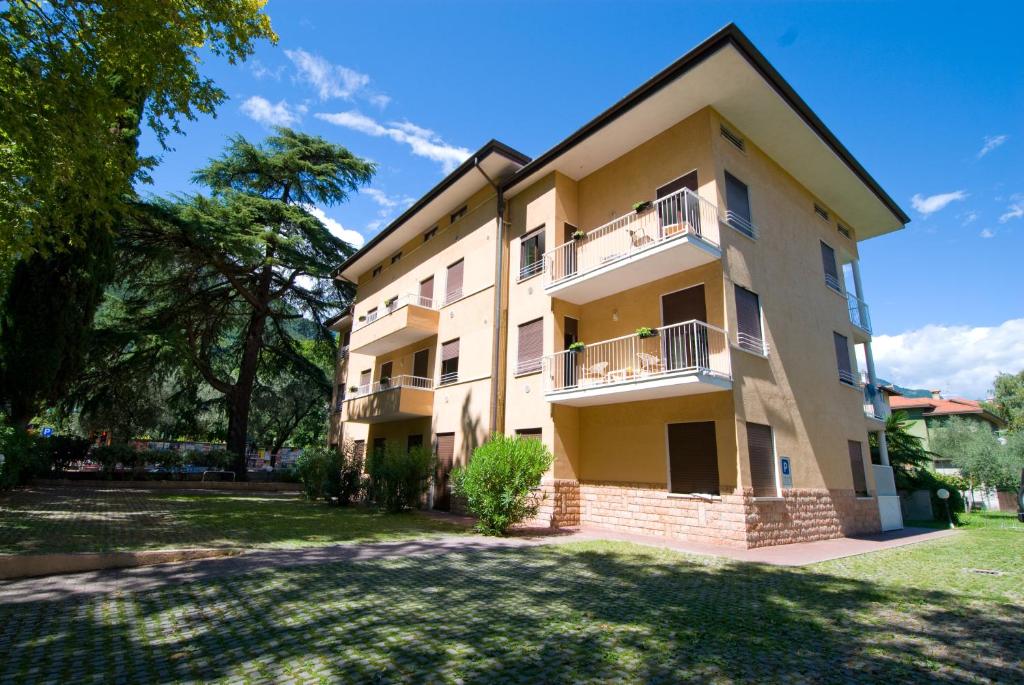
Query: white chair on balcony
{"type": "Point", "coordinates": [638, 238]}
{"type": "Point", "coordinates": [649, 363]}
{"type": "Point", "coordinates": [595, 373]}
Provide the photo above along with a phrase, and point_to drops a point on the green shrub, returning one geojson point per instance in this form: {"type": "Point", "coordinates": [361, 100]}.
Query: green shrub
{"type": "Point", "coordinates": [345, 482]}
{"type": "Point", "coordinates": [110, 457]}
{"type": "Point", "coordinates": [314, 468]}
{"type": "Point", "coordinates": [216, 459]}
{"type": "Point", "coordinates": [926, 479]}
{"type": "Point", "coordinates": [23, 460]}
{"type": "Point", "coordinates": [498, 481]}
{"type": "Point", "coordinates": [398, 477]}
{"type": "Point", "coordinates": [62, 450]}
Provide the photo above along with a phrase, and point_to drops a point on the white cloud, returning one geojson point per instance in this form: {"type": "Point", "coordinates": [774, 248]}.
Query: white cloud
{"type": "Point", "coordinates": [968, 217]}
{"type": "Point", "coordinates": [272, 114]}
{"type": "Point", "coordinates": [329, 80]}
{"type": "Point", "coordinates": [379, 100]}
{"type": "Point", "coordinates": [987, 233]}
{"type": "Point", "coordinates": [933, 203]}
{"type": "Point", "coordinates": [353, 238]}
{"type": "Point", "coordinates": [422, 141]}
{"type": "Point", "coordinates": [991, 143]}
{"type": "Point", "coordinates": [959, 360]}
{"type": "Point", "coordinates": [1014, 211]}
{"type": "Point", "coordinates": [261, 71]}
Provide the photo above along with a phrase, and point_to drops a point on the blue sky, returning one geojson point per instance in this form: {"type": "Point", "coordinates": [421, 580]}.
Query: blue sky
{"type": "Point", "coordinates": [929, 97]}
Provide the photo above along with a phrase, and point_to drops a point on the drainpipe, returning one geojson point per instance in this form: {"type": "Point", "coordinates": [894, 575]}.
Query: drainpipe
{"type": "Point", "coordinates": [499, 289]}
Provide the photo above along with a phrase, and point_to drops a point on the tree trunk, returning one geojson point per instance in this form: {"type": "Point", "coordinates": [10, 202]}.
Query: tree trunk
{"type": "Point", "coordinates": [240, 400]}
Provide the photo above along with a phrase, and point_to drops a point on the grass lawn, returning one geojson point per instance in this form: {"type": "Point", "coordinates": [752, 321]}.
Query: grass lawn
{"type": "Point", "coordinates": [97, 520]}
{"type": "Point", "coordinates": [592, 612]}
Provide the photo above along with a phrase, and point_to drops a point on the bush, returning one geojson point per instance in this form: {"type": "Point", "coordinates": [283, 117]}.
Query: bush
{"type": "Point", "coordinates": [399, 477]}
{"type": "Point", "coordinates": [314, 468]}
{"type": "Point", "coordinates": [64, 450]}
{"type": "Point", "coordinates": [23, 460]}
{"type": "Point", "coordinates": [215, 459]}
{"type": "Point", "coordinates": [926, 479]}
{"type": "Point", "coordinates": [346, 481]}
{"type": "Point", "coordinates": [110, 457]}
{"type": "Point", "coordinates": [498, 480]}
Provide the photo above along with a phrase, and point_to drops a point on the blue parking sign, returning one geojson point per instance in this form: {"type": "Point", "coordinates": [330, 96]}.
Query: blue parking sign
{"type": "Point", "coordinates": [47, 431]}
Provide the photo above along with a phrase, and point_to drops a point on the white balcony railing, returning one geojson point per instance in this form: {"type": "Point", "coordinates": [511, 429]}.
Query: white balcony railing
{"type": "Point", "coordinates": [393, 305]}
{"type": "Point", "coordinates": [848, 378]}
{"type": "Point", "coordinates": [683, 213]}
{"type": "Point", "coordinates": [860, 316]}
{"type": "Point", "coordinates": [689, 347]}
{"type": "Point", "coordinates": [403, 381]}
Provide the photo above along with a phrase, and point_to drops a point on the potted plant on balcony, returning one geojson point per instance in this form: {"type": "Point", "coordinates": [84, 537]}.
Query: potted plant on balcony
{"type": "Point", "coordinates": [576, 347]}
{"type": "Point", "coordinates": [353, 389]}
{"type": "Point", "coordinates": [579, 235]}
{"type": "Point", "coordinates": [362, 318]}
{"type": "Point", "coordinates": [639, 207]}
{"type": "Point", "coordinates": [390, 301]}
{"type": "Point", "coordinates": [646, 332]}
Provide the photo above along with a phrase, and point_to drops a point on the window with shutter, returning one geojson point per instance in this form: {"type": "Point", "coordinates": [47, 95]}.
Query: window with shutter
{"type": "Point", "coordinates": [427, 293]}
{"type": "Point", "coordinates": [843, 359]}
{"type": "Point", "coordinates": [749, 335]}
{"type": "Point", "coordinates": [414, 441]}
{"type": "Point", "coordinates": [860, 484]}
{"type": "Point", "coordinates": [828, 262]}
{"type": "Point", "coordinates": [531, 433]}
{"type": "Point", "coordinates": [762, 460]}
{"type": "Point", "coordinates": [531, 347]}
{"type": "Point", "coordinates": [458, 214]}
{"type": "Point", "coordinates": [450, 362]}
{"type": "Point", "coordinates": [531, 253]}
{"type": "Point", "coordinates": [737, 202]}
{"type": "Point", "coordinates": [453, 284]}
{"type": "Point", "coordinates": [693, 458]}
{"type": "Point", "coordinates": [364, 379]}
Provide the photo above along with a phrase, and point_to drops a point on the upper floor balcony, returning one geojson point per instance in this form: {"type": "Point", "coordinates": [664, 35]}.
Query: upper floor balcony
{"type": "Point", "coordinates": [682, 359]}
{"type": "Point", "coordinates": [860, 317]}
{"type": "Point", "coordinates": [402, 321]}
{"type": "Point", "coordinates": [675, 233]}
{"type": "Point", "coordinates": [390, 399]}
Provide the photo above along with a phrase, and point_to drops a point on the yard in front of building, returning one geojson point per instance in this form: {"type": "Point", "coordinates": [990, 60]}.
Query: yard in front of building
{"type": "Point", "coordinates": [61, 519]}
{"type": "Point", "coordinates": [941, 611]}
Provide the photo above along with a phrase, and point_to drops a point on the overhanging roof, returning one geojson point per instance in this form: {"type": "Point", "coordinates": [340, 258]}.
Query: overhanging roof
{"type": "Point", "coordinates": [728, 73]}
{"type": "Point", "coordinates": [497, 160]}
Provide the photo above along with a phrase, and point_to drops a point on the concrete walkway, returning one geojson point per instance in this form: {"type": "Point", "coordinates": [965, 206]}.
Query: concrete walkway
{"type": "Point", "coordinates": [80, 585]}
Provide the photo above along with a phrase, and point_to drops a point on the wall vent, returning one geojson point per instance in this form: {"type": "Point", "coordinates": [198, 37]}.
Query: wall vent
{"type": "Point", "coordinates": [844, 230]}
{"type": "Point", "coordinates": [821, 211]}
{"type": "Point", "coordinates": [733, 138]}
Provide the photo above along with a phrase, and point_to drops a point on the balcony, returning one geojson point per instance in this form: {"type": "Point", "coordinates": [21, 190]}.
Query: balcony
{"type": "Point", "coordinates": [860, 317]}
{"type": "Point", "coordinates": [403, 321]}
{"type": "Point", "coordinates": [675, 233]}
{"type": "Point", "coordinates": [393, 399]}
{"type": "Point", "coordinates": [682, 359]}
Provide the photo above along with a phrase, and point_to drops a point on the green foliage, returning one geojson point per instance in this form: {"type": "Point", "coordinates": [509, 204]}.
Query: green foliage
{"type": "Point", "coordinates": [906, 453]}
{"type": "Point", "coordinates": [317, 467]}
{"type": "Point", "coordinates": [110, 457]}
{"type": "Point", "coordinates": [22, 460]}
{"type": "Point", "coordinates": [1008, 400]}
{"type": "Point", "coordinates": [926, 479]}
{"type": "Point", "coordinates": [346, 483]}
{"type": "Point", "coordinates": [398, 477]}
{"type": "Point", "coordinates": [576, 346]}
{"type": "Point", "coordinates": [498, 481]}
{"type": "Point", "coordinates": [64, 449]}
{"type": "Point", "coordinates": [979, 455]}
{"type": "Point", "coordinates": [645, 332]}
{"type": "Point", "coordinates": [77, 79]}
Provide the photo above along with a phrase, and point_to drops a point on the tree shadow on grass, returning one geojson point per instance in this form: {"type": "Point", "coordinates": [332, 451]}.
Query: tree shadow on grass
{"type": "Point", "coordinates": [537, 614]}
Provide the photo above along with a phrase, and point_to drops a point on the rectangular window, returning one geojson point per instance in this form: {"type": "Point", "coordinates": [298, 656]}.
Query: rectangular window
{"type": "Point", "coordinates": [531, 253]}
{"type": "Point", "coordinates": [749, 335]}
{"type": "Point", "coordinates": [532, 433]}
{"type": "Point", "coordinates": [430, 234]}
{"type": "Point", "coordinates": [453, 283]}
{"type": "Point", "coordinates": [378, 445]}
{"type": "Point", "coordinates": [531, 347]}
{"type": "Point", "coordinates": [386, 369]}
{"type": "Point", "coordinates": [458, 214]}
{"type": "Point", "coordinates": [761, 450]}
{"type": "Point", "coordinates": [364, 381]}
{"type": "Point", "coordinates": [376, 270]}
{"type": "Point", "coordinates": [843, 359]}
{"type": "Point", "coordinates": [693, 458]}
{"type": "Point", "coordinates": [449, 362]}
{"type": "Point", "coordinates": [828, 263]}
{"type": "Point", "coordinates": [737, 202]}
{"type": "Point", "coordinates": [414, 441]}
{"type": "Point", "coordinates": [427, 293]}
{"type": "Point", "coordinates": [371, 315]}
{"type": "Point", "coordinates": [820, 211]}
{"type": "Point", "coordinates": [395, 257]}
{"type": "Point", "coordinates": [860, 484]}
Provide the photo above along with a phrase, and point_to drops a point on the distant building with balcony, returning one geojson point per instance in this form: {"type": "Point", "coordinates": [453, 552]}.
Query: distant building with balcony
{"type": "Point", "coordinates": [670, 299]}
{"type": "Point", "coordinates": [925, 414]}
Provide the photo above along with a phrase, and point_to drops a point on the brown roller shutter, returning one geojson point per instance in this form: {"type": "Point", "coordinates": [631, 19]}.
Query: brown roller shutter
{"type": "Point", "coordinates": [748, 321]}
{"type": "Point", "coordinates": [843, 358]}
{"type": "Point", "coordinates": [860, 484]}
{"type": "Point", "coordinates": [450, 361]}
{"type": "Point", "coordinates": [531, 346]}
{"type": "Point", "coordinates": [693, 458]}
{"type": "Point", "coordinates": [762, 460]}
{"type": "Point", "coordinates": [445, 458]}
{"type": "Point", "coordinates": [427, 292]}
{"type": "Point", "coordinates": [453, 284]}
{"type": "Point", "coordinates": [828, 261]}
{"type": "Point", "coordinates": [450, 350]}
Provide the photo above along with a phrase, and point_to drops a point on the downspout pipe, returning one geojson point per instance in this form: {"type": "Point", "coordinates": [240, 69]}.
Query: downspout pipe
{"type": "Point", "coordinates": [499, 289]}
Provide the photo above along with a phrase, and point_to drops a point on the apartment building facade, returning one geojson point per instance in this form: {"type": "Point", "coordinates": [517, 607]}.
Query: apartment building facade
{"type": "Point", "coordinates": [669, 298]}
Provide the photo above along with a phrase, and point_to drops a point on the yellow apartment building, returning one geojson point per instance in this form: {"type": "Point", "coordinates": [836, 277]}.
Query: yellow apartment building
{"type": "Point", "coordinates": [670, 299]}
